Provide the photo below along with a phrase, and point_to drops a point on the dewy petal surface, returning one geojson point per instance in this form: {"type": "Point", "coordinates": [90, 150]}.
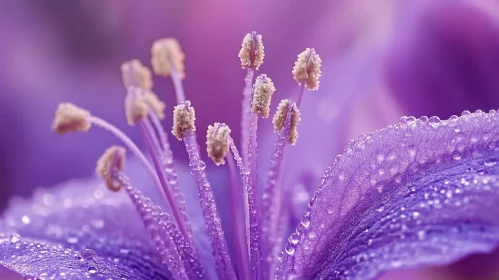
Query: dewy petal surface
{"type": "Point", "coordinates": [422, 192]}
{"type": "Point", "coordinates": [46, 235]}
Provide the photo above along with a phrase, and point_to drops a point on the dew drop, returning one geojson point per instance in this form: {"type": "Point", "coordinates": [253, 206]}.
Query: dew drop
{"type": "Point", "coordinates": [421, 234]}
{"type": "Point", "coordinates": [124, 251]}
{"type": "Point", "coordinates": [280, 256]}
{"type": "Point", "coordinates": [294, 238]}
{"type": "Point", "coordinates": [449, 194]}
{"type": "Point", "coordinates": [490, 162]}
{"type": "Point", "coordinates": [457, 156]}
{"type": "Point", "coordinates": [97, 223]}
{"type": "Point", "coordinates": [72, 239]}
{"type": "Point", "coordinates": [290, 249]}
{"type": "Point", "coordinates": [92, 270]}
{"type": "Point", "coordinates": [88, 255]}
{"type": "Point", "coordinates": [312, 235]}
{"type": "Point", "coordinates": [15, 238]}
{"type": "Point", "coordinates": [305, 221]}
{"type": "Point", "coordinates": [341, 177]}
{"type": "Point", "coordinates": [380, 158]}
{"type": "Point", "coordinates": [412, 151]}
{"type": "Point", "coordinates": [434, 121]}
{"type": "Point", "coordinates": [26, 220]}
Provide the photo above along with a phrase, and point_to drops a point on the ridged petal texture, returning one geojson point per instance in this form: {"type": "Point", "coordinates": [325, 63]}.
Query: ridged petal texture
{"type": "Point", "coordinates": [422, 192]}
{"type": "Point", "coordinates": [78, 230]}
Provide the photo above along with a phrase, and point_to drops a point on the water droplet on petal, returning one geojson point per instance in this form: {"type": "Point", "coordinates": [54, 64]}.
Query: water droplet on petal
{"type": "Point", "coordinates": [88, 255]}
{"type": "Point", "coordinates": [290, 249]}
{"type": "Point", "coordinates": [92, 270]}
{"type": "Point", "coordinates": [490, 162]}
{"type": "Point", "coordinates": [434, 121]}
{"type": "Point", "coordinates": [305, 221]}
{"type": "Point", "coordinates": [294, 238]}
{"type": "Point", "coordinates": [15, 238]}
{"type": "Point", "coordinates": [26, 220]}
{"type": "Point", "coordinates": [421, 234]}
{"type": "Point", "coordinates": [72, 239]}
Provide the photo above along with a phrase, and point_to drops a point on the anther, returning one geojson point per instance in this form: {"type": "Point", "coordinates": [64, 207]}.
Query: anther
{"type": "Point", "coordinates": [184, 117]}
{"type": "Point", "coordinates": [167, 54]}
{"type": "Point", "coordinates": [307, 69]}
{"type": "Point", "coordinates": [155, 104]}
{"type": "Point", "coordinates": [280, 119]}
{"type": "Point", "coordinates": [217, 142]}
{"type": "Point", "coordinates": [135, 74]}
{"type": "Point", "coordinates": [113, 158]}
{"type": "Point", "coordinates": [70, 118]}
{"type": "Point", "coordinates": [262, 95]}
{"type": "Point", "coordinates": [252, 51]}
{"type": "Point", "coordinates": [136, 107]}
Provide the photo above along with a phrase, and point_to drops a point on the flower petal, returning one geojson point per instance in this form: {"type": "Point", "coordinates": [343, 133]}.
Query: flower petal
{"type": "Point", "coordinates": [40, 259]}
{"type": "Point", "coordinates": [45, 235]}
{"type": "Point", "coordinates": [422, 192]}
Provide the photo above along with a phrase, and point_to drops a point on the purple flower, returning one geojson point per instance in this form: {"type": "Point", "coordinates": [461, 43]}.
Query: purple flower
{"type": "Point", "coordinates": [419, 193]}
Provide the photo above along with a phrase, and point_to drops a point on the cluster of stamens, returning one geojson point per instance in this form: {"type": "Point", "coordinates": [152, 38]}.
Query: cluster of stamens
{"type": "Point", "coordinates": [254, 234]}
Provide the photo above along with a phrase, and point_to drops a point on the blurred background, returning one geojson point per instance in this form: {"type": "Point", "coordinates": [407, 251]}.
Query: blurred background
{"type": "Point", "coordinates": [381, 61]}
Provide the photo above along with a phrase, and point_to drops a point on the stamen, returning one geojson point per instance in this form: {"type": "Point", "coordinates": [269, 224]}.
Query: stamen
{"type": "Point", "coordinates": [284, 108]}
{"type": "Point", "coordinates": [216, 142]}
{"type": "Point", "coordinates": [251, 55]}
{"type": "Point", "coordinates": [166, 158]}
{"type": "Point", "coordinates": [180, 218]}
{"type": "Point", "coordinates": [167, 56]}
{"type": "Point", "coordinates": [113, 157]}
{"type": "Point", "coordinates": [252, 51]}
{"type": "Point", "coordinates": [262, 95]}
{"type": "Point", "coordinates": [272, 192]}
{"type": "Point", "coordinates": [218, 146]}
{"type": "Point", "coordinates": [136, 74]}
{"type": "Point", "coordinates": [155, 104]}
{"type": "Point", "coordinates": [246, 114]}
{"type": "Point", "coordinates": [307, 69]}
{"type": "Point", "coordinates": [164, 232]}
{"type": "Point", "coordinates": [251, 213]}
{"type": "Point", "coordinates": [140, 103]}
{"type": "Point", "coordinates": [183, 120]}
{"type": "Point", "coordinates": [168, 60]}
{"type": "Point", "coordinates": [70, 118]}
{"type": "Point", "coordinates": [206, 197]}
{"type": "Point", "coordinates": [136, 108]}
{"type": "Point", "coordinates": [240, 234]}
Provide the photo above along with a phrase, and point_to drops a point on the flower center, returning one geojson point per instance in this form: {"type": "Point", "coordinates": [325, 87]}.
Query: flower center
{"type": "Point", "coordinates": [256, 236]}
